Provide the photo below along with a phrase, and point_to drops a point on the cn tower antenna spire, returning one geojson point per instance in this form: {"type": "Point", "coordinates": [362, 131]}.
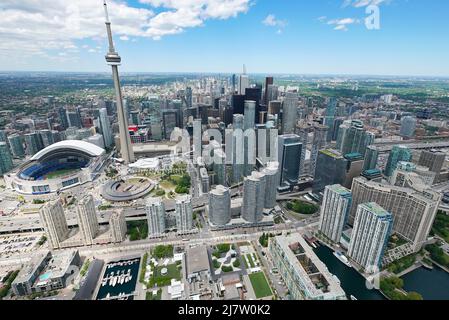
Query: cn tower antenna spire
{"type": "Point", "coordinates": [113, 59]}
{"type": "Point", "coordinates": [105, 5]}
{"type": "Point", "coordinates": [108, 28]}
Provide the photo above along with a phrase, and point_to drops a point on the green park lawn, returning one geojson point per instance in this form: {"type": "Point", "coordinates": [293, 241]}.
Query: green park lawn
{"type": "Point", "coordinates": [164, 280]}
{"type": "Point", "coordinates": [260, 285]}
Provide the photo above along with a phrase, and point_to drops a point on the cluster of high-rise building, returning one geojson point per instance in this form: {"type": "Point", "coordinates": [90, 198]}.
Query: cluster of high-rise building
{"type": "Point", "coordinates": [54, 222]}
{"type": "Point", "coordinates": [259, 196]}
{"type": "Point", "coordinates": [376, 210]}
{"type": "Point", "coordinates": [159, 220]}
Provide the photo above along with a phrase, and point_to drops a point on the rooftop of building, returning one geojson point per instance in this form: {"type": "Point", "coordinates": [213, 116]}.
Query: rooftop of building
{"type": "Point", "coordinates": [255, 176]}
{"type": "Point", "coordinates": [376, 209]}
{"type": "Point", "coordinates": [428, 195]}
{"type": "Point", "coordinates": [183, 199]}
{"type": "Point", "coordinates": [78, 145]}
{"type": "Point", "coordinates": [271, 168]}
{"type": "Point", "coordinates": [332, 153]}
{"type": "Point", "coordinates": [320, 283]}
{"type": "Point", "coordinates": [372, 172]}
{"type": "Point", "coordinates": [339, 189]}
{"type": "Point", "coordinates": [412, 144]}
{"type": "Point", "coordinates": [29, 269]}
{"type": "Point", "coordinates": [146, 163]}
{"type": "Point", "coordinates": [355, 156]}
{"type": "Point", "coordinates": [219, 190]}
{"type": "Point", "coordinates": [57, 266]}
{"type": "Point", "coordinates": [197, 260]}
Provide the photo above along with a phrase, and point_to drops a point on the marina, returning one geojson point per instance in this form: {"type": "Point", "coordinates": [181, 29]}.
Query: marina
{"type": "Point", "coordinates": [119, 280]}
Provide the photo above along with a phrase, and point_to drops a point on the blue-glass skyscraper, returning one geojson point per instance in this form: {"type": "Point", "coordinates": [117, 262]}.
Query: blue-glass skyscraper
{"type": "Point", "coordinates": [289, 156]}
{"type": "Point", "coordinates": [399, 153]}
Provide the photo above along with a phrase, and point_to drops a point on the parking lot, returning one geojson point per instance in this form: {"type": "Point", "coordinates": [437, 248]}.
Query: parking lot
{"type": "Point", "coordinates": [18, 244]}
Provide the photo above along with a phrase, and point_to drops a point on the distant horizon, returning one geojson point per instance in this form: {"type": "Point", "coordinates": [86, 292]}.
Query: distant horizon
{"type": "Point", "coordinates": [400, 38]}
{"type": "Point", "coordinates": [199, 73]}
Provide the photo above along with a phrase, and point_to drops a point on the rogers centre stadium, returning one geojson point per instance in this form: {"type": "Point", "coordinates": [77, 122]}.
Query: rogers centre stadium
{"type": "Point", "coordinates": [61, 166]}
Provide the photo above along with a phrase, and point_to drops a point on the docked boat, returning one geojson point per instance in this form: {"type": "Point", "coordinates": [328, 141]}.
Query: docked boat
{"type": "Point", "coordinates": [353, 298]}
{"type": "Point", "coordinates": [114, 281]}
{"type": "Point", "coordinates": [340, 256]}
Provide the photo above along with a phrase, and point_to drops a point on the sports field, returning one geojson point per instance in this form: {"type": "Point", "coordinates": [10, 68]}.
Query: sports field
{"type": "Point", "coordinates": [59, 173]}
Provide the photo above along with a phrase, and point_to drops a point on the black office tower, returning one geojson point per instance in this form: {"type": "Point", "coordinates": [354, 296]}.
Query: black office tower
{"type": "Point", "coordinates": [255, 94]}
{"type": "Point", "coordinates": [238, 104]}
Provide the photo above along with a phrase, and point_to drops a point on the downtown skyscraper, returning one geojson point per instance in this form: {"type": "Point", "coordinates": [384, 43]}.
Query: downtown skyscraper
{"type": "Point", "coordinates": [53, 220]}
{"type": "Point", "coordinates": [105, 128]}
{"type": "Point", "coordinates": [254, 197]}
{"type": "Point", "coordinates": [155, 210]}
{"type": "Point", "coordinates": [397, 154]}
{"type": "Point", "coordinates": [184, 214]}
{"type": "Point", "coordinates": [413, 211]}
{"type": "Point", "coordinates": [289, 156]}
{"type": "Point", "coordinates": [335, 211]}
{"type": "Point", "coordinates": [289, 115]}
{"type": "Point", "coordinates": [369, 239]}
{"type": "Point", "coordinates": [220, 206]}
{"type": "Point", "coordinates": [6, 163]}
{"type": "Point", "coordinates": [353, 138]}
{"type": "Point", "coordinates": [87, 220]}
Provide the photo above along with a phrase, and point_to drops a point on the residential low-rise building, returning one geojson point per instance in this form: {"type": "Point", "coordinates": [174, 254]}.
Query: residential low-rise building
{"type": "Point", "coordinates": [306, 277]}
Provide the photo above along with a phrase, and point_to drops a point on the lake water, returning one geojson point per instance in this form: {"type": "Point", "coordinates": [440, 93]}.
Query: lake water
{"type": "Point", "coordinates": [431, 284]}
{"type": "Point", "coordinates": [351, 281]}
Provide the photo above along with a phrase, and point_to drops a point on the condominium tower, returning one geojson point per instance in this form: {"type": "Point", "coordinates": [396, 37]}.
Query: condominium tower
{"type": "Point", "coordinates": [87, 220]}
{"type": "Point", "coordinates": [117, 226]}
{"type": "Point", "coordinates": [253, 197]}
{"type": "Point", "coordinates": [413, 210]}
{"type": "Point", "coordinates": [334, 211]}
{"type": "Point", "coordinates": [184, 214]}
{"type": "Point", "coordinates": [155, 210]}
{"type": "Point", "coordinates": [370, 235]}
{"type": "Point", "coordinates": [220, 206]}
{"type": "Point", "coordinates": [53, 220]}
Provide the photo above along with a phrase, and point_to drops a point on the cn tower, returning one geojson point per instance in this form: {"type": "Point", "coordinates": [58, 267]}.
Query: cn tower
{"type": "Point", "coordinates": [113, 59]}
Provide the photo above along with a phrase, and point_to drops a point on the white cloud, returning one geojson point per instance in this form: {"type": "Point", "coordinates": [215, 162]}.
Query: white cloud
{"type": "Point", "coordinates": [322, 18]}
{"type": "Point", "coordinates": [342, 24]}
{"type": "Point", "coordinates": [272, 21]}
{"type": "Point", "coordinates": [179, 15]}
{"type": "Point", "coordinates": [362, 3]}
{"type": "Point", "coordinates": [36, 27]}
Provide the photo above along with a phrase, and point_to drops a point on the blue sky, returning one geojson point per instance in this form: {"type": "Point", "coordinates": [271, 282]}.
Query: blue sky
{"type": "Point", "coordinates": [269, 36]}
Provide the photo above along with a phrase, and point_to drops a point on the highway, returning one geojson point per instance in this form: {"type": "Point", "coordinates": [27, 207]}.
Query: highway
{"type": "Point", "coordinates": [31, 222]}
{"type": "Point", "coordinates": [207, 238]}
